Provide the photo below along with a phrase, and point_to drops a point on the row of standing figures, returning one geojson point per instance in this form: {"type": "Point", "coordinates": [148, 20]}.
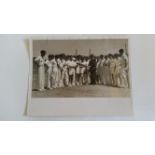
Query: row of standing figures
{"type": "Point", "coordinates": [68, 71]}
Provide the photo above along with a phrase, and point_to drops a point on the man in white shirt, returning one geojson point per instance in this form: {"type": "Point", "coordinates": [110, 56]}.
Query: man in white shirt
{"type": "Point", "coordinates": [124, 69]}
{"type": "Point", "coordinates": [65, 76]}
{"type": "Point", "coordinates": [54, 73]}
{"type": "Point", "coordinates": [100, 69]}
{"type": "Point", "coordinates": [78, 72]}
{"type": "Point", "coordinates": [49, 72]}
{"type": "Point", "coordinates": [40, 60]}
{"type": "Point", "coordinates": [72, 66]}
{"type": "Point", "coordinates": [112, 69]}
{"type": "Point", "coordinates": [60, 67]}
{"type": "Point", "coordinates": [83, 71]}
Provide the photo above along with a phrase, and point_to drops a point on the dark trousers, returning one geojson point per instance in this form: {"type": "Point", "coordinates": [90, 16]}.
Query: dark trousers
{"type": "Point", "coordinates": [93, 77]}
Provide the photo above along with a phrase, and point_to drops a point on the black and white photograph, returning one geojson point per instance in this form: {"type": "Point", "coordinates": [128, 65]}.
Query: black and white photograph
{"type": "Point", "coordinates": [78, 68]}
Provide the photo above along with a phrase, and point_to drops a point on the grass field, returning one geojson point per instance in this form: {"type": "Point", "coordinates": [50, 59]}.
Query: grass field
{"type": "Point", "coordinates": [84, 91]}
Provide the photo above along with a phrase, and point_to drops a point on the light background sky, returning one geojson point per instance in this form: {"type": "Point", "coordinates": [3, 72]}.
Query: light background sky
{"type": "Point", "coordinates": [98, 46]}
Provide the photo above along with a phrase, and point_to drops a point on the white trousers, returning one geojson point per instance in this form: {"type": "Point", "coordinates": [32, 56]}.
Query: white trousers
{"type": "Point", "coordinates": [41, 71]}
{"type": "Point", "coordinates": [65, 78]}
{"type": "Point", "coordinates": [55, 78]}
{"type": "Point", "coordinates": [49, 78]}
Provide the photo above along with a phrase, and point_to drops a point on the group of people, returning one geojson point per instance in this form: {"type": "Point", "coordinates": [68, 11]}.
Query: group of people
{"type": "Point", "coordinates": [68, 70]}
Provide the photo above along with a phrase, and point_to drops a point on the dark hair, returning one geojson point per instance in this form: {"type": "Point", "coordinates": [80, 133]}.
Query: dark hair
{"type": "Point", "coordinates": [50, 57]}
{"type": "Point", "coordinates": [101, 56]}
{"type": "Point", "coordinates": [43, 52]}
{"type": "Point", "coordinates": [116, 55]}
{"type": "Point", "coordinates": [91, 56]}
{"type": "Point", "coordinates": [121, 51]}
{"type": "Point", "coordinates": [110, 56]}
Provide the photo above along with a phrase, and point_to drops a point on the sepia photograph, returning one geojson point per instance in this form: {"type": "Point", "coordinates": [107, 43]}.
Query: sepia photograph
{"type": "Point", "coordinates": [80, 68]}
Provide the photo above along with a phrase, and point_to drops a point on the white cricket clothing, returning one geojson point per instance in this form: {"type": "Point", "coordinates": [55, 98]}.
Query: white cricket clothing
{"type": "Point", "coordinates": [72, 66]}
{"type": "Point", "coordinates": [54, 73]}
{"type": "Point", "coordinates": [83, 68]}
{"type": "Point", "coordinates": [65, 76]}
{"type": "Point", "coordinates": [78, 67]}
{"type": "Point", "coordinates": [49, 74]}
{"type": "Point", "coordinates": [41, 72]}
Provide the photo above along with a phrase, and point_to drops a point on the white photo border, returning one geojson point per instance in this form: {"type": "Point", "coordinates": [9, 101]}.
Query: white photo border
{"type": "Point", "coordinates": [78, 106]}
